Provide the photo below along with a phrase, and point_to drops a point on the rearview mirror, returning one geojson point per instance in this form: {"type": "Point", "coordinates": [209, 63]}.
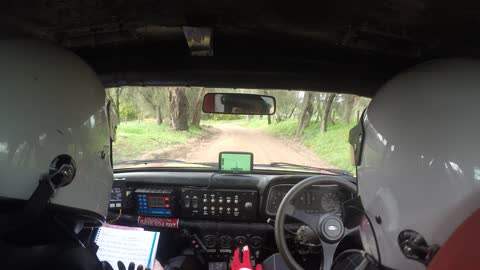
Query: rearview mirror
{"type": "Point", "coordinates": [225, 103]}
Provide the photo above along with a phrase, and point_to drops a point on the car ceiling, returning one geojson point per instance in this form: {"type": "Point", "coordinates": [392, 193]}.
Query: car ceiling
{"type": "Point", "coordinates": [345, 45]}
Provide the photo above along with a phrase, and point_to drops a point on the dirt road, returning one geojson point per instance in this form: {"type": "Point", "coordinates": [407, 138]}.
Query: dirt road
{"type": "Point", "coordinates": [266, 148]}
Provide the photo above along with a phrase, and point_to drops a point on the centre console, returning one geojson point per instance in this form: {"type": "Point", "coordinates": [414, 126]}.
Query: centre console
{"type": "Point", "coordinates": [196, 204]}
{"type": "Point", "coordinates": [219, 204]}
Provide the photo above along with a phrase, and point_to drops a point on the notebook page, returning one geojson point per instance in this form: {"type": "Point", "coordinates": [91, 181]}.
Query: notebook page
{"type": "Point", "coordinates": [127, 246]}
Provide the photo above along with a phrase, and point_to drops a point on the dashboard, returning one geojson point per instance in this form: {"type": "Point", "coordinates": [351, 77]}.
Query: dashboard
{"type": "Point", "coordinates": [222, 211]}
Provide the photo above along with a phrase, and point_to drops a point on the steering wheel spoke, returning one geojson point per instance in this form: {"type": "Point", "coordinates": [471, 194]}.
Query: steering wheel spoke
{"type": "Point", "coordinates": [349, 231]}
{"type": "Point", "coordinates": [310, 220]}
{"type": "Point", "coordinates": [328, 250]}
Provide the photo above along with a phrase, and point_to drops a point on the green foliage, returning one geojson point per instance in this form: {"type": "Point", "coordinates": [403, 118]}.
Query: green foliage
{"type": "Point", "coordinates": [127, 110]}
{"type": "Point", "coordinates": [285, 128]}
{"type": "Point", "coordinates": [135, 139]}
{"type": "Point", "coordinates": [331, 146]}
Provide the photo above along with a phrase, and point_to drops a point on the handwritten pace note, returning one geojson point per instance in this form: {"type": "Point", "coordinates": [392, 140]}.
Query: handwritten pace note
{"type": "Point", "coordinates": [127, 246]}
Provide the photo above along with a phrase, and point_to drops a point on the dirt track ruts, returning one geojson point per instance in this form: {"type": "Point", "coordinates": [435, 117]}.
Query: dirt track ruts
{"type": "Point", "coordinates": [231, 137]}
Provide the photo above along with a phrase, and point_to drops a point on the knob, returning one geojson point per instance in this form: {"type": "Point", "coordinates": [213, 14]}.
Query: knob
{"type": "Point", "coordinates": [248, 205]}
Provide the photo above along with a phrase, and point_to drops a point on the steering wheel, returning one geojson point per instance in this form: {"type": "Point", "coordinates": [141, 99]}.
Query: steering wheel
{"type": "Point", "coordinates": [329, 227]}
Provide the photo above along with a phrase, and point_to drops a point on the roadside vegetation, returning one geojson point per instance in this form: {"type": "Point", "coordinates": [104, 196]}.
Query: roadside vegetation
{"type": "Point", "coordinates": [155, 118]}
{"type": "Point", "coordinates": [331, 146]}
{"type": "Point", "coordinates": [135, 139]}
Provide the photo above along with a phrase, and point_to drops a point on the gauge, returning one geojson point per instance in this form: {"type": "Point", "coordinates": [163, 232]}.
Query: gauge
{"type": "Point", "coordinates": [275, 197]}
{"type": "Point", "coordinates": [256, 242]}
{"type": "Point", "coordinates": [225, 241]}
{"type": "Point", "coordinates": [210, 241]}
{"type": "Point", "coordinates": [240, 241]}
{"type": "Point", "coordinates": [330, 202]}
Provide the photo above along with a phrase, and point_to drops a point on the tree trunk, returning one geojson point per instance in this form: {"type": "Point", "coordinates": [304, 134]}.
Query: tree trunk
{"type": "Point", "coordinates": [178, 108]}
{"type": "Point", "coordinates": [198, 108]}
{"type": "Point", "coordinates": [116, 102]}
{"type": "Point", "coordinates": [269, 117]}
{"type": "Point", "coordinates": [319, 108]}
{"type": "Point", "coordinates": [278, 118]}
{"type": "Point", "coordinates": [348, 103]}
{"type": "Point", "coordinates": [158, 116]}
{"type": "Point", "coordinates": [326, 113]}
{"type": "Point", "coordinates": [305, 115]}
{"type": "Point", "coordinates": [293, 110]}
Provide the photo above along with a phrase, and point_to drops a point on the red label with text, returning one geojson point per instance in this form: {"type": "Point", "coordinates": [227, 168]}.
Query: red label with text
{"type": "Point", "coordinates": [158, 222]}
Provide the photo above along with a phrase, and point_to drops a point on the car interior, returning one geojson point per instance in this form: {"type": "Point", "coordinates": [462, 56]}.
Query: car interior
{"type": "Point", "coordinates": [347, 47]}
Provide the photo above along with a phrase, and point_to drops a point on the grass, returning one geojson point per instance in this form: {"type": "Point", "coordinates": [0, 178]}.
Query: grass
{"type": "Point", "coordinates": [134, 139]}
{"type": "Point", "coordinates": [331, 146]}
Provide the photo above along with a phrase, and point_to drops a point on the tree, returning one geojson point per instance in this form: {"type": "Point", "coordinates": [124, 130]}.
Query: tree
{"type": "Point", "coordinates": [114, 96]}
{"type": "Point", "coordinates": [318, 111]}
{"type": "Point", "coordinates": [154, 97]}
{"type": "Point", "coordinates": [326, 112]}
{"type": "Point", "coordinates": [178, 108]}
{"type": "Point", "coordinates": [269, 117]}
{"type": "Point", "coordinates": [348, 102]}
{"type": "Point", "coordinates": [286, 103]}
{"type": "Point", "coordinates": [306, 113]}
{"type": "Point", "coordinates": [198, 108]}
{"type": "Point", "coordinates": [127, 111]}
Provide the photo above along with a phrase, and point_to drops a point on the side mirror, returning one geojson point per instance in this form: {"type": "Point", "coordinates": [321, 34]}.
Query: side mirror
{"type": "Point", "coordinates": [225, 103]}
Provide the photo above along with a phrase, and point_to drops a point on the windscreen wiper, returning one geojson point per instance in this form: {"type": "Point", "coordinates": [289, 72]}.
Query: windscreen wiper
{"type": "Point", "coordinates": [287, 165]}
{"type": "Point", "coordinates": [146, 161]}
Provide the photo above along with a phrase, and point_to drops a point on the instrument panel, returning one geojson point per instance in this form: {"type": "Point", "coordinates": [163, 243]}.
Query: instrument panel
{"type": "Point", "coordinates": [319, 199]}
{"type": "Point", "coordinates": [234, 200]}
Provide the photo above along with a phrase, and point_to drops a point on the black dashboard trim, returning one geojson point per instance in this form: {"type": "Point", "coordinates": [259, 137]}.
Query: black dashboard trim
{"type": "Point", "coordinates": [186, 179]}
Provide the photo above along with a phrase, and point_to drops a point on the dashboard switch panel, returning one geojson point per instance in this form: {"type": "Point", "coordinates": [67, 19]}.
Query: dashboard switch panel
{"type": "Point", "coordinates": [219, 204]}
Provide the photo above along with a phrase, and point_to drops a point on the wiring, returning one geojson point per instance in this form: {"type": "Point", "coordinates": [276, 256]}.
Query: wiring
{"type": "Point", "coordinates": [117, 218]}
{"type": "Point", "coordinates": [210, 182]}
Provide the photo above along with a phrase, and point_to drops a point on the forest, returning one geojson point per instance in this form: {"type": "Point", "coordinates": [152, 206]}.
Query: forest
{"type": "Point", "coordinates": [153, 118]}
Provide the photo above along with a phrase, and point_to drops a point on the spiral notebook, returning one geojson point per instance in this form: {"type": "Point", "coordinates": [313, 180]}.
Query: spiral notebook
{"type": "Point", "coordinates": [127, 245]}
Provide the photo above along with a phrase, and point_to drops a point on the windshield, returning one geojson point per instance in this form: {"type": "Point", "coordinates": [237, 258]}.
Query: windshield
{"type": "Point", "coordinates": [165, 127]}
